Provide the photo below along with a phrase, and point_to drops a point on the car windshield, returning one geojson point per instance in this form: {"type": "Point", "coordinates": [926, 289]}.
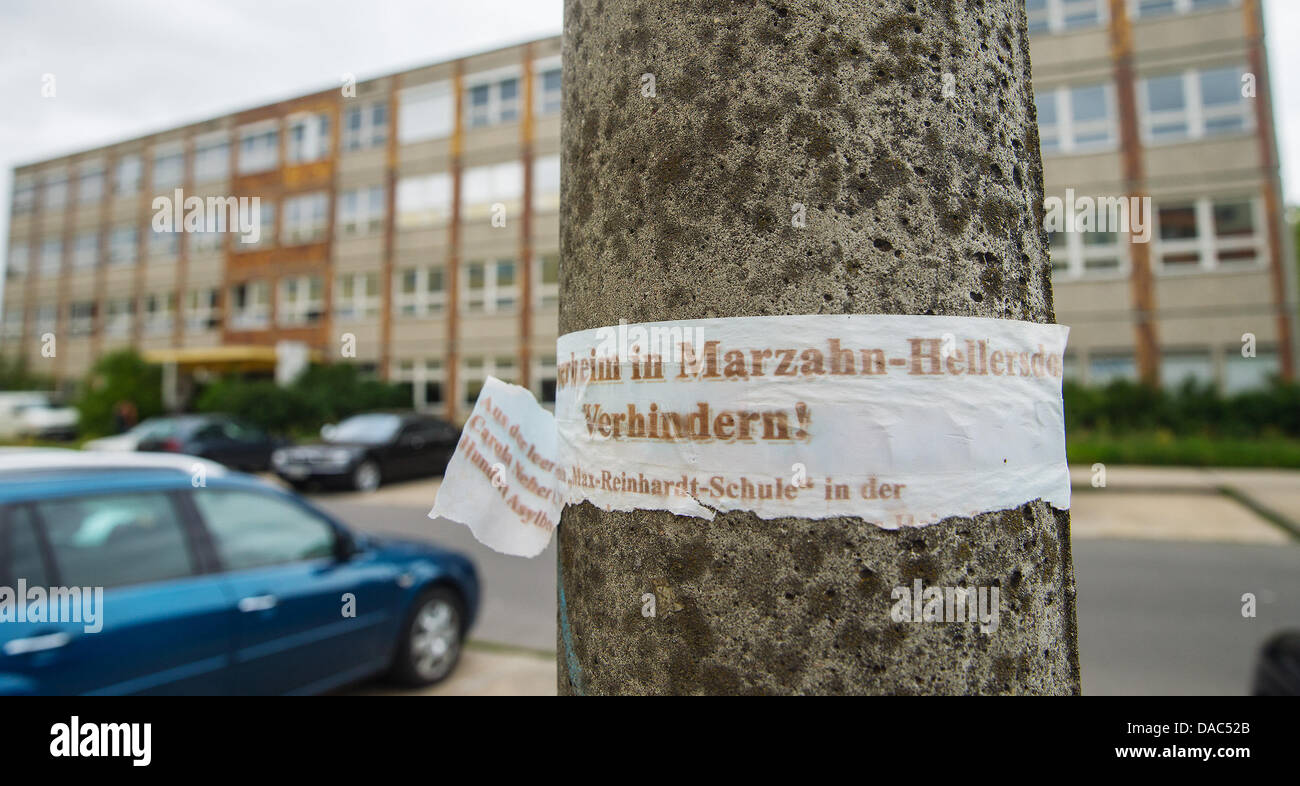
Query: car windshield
{"type": "Point", "coordinates": [369, 429]}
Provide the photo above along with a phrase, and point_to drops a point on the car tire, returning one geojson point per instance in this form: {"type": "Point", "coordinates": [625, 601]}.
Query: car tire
{"type": "Point", "coordinates": [366, 476]}
{"type": "Point", "coordinates": [432, 639]}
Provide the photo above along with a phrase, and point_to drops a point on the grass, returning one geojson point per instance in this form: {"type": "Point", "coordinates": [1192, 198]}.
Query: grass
{"type": "Point", "coordinates": [1165, 449]}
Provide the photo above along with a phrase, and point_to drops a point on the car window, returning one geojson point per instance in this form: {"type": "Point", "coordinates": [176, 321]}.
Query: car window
{"type": "Point", "coordinates": [250, 529]}
{"type": "Point", "coordinates": [116, 539]}
{"type": "Point", "coordinates": [211, 431]}
{"type": "Point", "coordinates": [21, 551]}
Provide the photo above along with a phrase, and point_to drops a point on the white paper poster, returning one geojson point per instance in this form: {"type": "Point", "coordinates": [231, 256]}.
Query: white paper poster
{"type": "Point", "coordinates": [899, 420]}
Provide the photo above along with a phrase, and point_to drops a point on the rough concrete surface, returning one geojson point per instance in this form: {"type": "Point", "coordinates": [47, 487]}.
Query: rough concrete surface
{"type": "Point", "coordinates": [679, 206]}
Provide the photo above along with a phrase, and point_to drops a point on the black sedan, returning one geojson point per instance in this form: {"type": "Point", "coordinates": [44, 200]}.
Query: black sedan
{"type": "Point", "coordinates": [366, 450]}
{"type": "Point", "coordinates": [219, 438]}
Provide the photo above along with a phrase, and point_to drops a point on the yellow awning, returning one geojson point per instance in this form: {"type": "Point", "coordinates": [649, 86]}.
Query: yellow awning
{"type": "Point", "coordinates": [230, 357]}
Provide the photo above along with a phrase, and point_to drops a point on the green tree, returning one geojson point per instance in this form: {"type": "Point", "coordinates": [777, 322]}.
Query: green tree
{"type": "Point", "coordinates": [118, 376]}
{"type": "Point", "coordinates": [16, 375]}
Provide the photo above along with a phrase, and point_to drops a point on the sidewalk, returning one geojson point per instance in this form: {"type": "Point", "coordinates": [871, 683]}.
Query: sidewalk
{"type": "Point", "coordinates": [1187, 503]}
{"type": "Point", "coordinates": [485, 670]}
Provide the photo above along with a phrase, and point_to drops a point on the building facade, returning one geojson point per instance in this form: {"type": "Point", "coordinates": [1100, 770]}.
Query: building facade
{"type": "Point", "coordinates": [1166, 99]}
{"type": "Point", "coordinates": [409, 223]}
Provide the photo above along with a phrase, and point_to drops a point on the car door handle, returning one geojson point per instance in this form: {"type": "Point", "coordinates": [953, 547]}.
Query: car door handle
{"type": "Point", "coordinates": [257, 603]}
{"type": "Point", "coordinates": [50, 641]}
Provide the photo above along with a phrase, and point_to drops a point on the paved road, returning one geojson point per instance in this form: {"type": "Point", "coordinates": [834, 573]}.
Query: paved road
{"type": "Point", "coordinates": [1155, 617]}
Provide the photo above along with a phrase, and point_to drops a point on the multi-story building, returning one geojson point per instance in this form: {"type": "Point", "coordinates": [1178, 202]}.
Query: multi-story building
{"type": "Point", "coordinates": [411, 225]}
{"type": "Point", "coordinates": [1166, 99]}
{"type": "Point", "coordinates": [407, 223]}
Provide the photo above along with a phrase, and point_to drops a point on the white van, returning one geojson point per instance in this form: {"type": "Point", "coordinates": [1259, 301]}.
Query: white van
{"type": "Point", "coordinates": [30, 413]}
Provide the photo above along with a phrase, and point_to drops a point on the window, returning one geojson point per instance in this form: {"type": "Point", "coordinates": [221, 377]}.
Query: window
{"type": "Point", "coordinates": [476, 370]}
{"type": "Point", "coordinates": [251, 530]}
{"type": "Point", "coordinates": [85, 251]}
{"type": "Point", "coordinates": [485, 186]}
{"type": "Point", "coordinates": [550, 96]}
{"type": "Point", "coordinates": [426, 112]}
{"type": "Point", "coordinates": [19, 260]}
{"type": "Point", "coordinates": [356, 296]}
{"type": "Point", "coordinates": [168, 168]}
{"type": "Point", "coordinates": [123, 244]}
{"type": "Point", "coordinates": [548, 277]}
{"type": "Point", "coordinates": [1057, 16]}
{"type": "Point", "coordinates": [250, 306]}
{"type": "Point", "coordinates": [423, 200]}
{"type": "Point", "coordinates": [13, 324]}
{"type": "Point", "coordinates": [47, 318]}
{"type": "Point", "coordinates": [546, 183]}
{"type": "Point", "coordinates": [309, 138]}
{"type": "Point", "coordinates": [24, 194]}
{"type": "Point", "coordinates": [115, 540]}
{"type": "Point", "coordinates": [365, 126]}
{"type": "Point", "coordinates": [56, 191]}
{"type": "Point", "coordinates": [163, 245]}
{"type": "Point", "coordinates": [90, 188]}
{"type": "Point", "coordinates": [425, 379]}
{"type": "Point", "coordinates": [420, 292]}
{"type": "Point", "coordinates": [1220, 232]}
{"type": "Point", "coordinates": [51, 257]}
{"type": "Point", "coordinates": [1178, 367]}
{"type": "Point", "coordinates": [126, 176]}
{"type": "Point", "coordinates": [1241, 374]}
{"type": "Point", "coordinates": [206, 242]}
{"type": "Point", "coordinates": [491, 102]}
{"type": "Point", "coordinates": [259, 147]}
{"type": "Point", "coordinates": [1194, 104]}
{"type": "Point", "coordinates": [212, 159]}
{"type": "Point", "coordinates": [81, 318]}
{"type": "Point", "coordinates": [490, 286]}
{"type": "Point", "coordinates": [361, 211]}
{"type": "Point", "coordinates": [1147, 9]}
{"type": "Point", "coordinates": [1076, 119]}
{"type": "Point", "coordinates": [265, 228]}
{"type": "Point", "coordinates": [118, 315]}
{"type": "Point", "coordinates": [201, 311]}
{"type": "Point", "coordinates": [305, 218]}
{"type": "Point", "coordinates": [302, 300]}
{"type": "Point", "coordinates": [24, 560]}
{"type": "Point", "coordinates": [1092, 253]}
{"type": "Point", "coordinates": [158, 310]}
{"type": "Point", "coordinates": [1105, 368]}
{"type": "Point", "coordinates": [545, 375]}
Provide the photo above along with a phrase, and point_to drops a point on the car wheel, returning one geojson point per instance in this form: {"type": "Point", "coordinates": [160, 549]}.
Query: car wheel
{"type": "Point", "coordinates": [431, 639]}
{"type": "Point", "coordinates": [366, 476]}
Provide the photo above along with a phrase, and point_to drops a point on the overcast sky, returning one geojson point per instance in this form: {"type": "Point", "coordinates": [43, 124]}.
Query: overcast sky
{"type": "Point", "coordinates": [127, 68]}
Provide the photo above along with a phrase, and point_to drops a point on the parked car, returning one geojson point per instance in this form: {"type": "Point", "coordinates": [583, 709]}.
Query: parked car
{"type": "Point", "coordinates": [232, 587]}
{"type": "Point", "coordinates": [365, 451]}
{"type": "Point", "coordinates": [218, 437]}
{"type": "Point", "coordinates": [130, 439]}
{"type": "Point", "coordinates": [33, 414]}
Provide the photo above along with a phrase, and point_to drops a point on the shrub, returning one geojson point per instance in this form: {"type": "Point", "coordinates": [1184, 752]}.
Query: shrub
{"type": "Point", "coordinates": [118, 376]}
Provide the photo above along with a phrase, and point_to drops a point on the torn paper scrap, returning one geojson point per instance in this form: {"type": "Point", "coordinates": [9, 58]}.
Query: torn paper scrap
{"type": "Point", "coordinates": [501, 482]}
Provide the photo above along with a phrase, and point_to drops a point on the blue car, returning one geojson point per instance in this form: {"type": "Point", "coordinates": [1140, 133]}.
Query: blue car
{"type": "Point", "coordinates": [149, 576]}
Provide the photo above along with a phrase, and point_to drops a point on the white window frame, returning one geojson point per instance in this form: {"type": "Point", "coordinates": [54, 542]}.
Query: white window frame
{"type": "Point", "coordinates": [298, 304]}
{"type": "Point", "coordinates": [212, 157]}
{"type": "Point", "coordinates": [256, 312]}
{"type": "Point", "coordinates": [545, 295]}
{"type": "Point", "coordinates": [1077, 254]}
{"type": "Point", "coordinates": [24, 195]}
{"type": "Point", "coordinates": [50, 265]}
{"type": "Point", "coordinates": [259, 147]}
{"type": "Point", "coordinates": [81, 318]}
{"type": "Point", "coordinates": [486, 366]}
{"type": "Point", "coordinates": [83, 258]}
{"type": "Point", "coordinates": [128, 174]}
{"type": "Point", "coordinates": [546, 103]}
{"type": "Point", "coordinates": [90, 173]}
{"type": "Point", "coordinates": [47, 318]}
{"type": "Point", "coordinates": [484, 186]}
{"type": "Point", "coordinates": [168, 166]}
{"type": "Point", "coordinates": [546, 183]}
{"type": "Point", "coordinates": [1066, 132]}
{"type": "Point", "coordinates": [54, 195]}
{"type": "Point", "coordinates": [1180, 7]}
{"type": "Point", "coordinates": [315, 142]}
{"type": "Point", "coordinates": [419, 372]}
{"type": "Point", "coordinates": [18, 263]}
{"type": "Point", "coordinates": [120, 253]}
{"type": "Point", "coordinates": [13, 321]}
{"type": "Point", "coordinates": [422, 303]}
{"type": "Point", "coordinates": [423, 200]}
{"type": "Point", "coordinates": [159, 313]}
{"type": "Point", "coordinates": [163, 246]}
{"type": "Point", "coordinates": [202, 313]}
{"type": "Point", "coordinates": [368, 134]}
{"type": "Point", "coordinates": [425, 112]}
{"type": "Point", "coordinates": [495, 111]}
{"type": "Point", "coordinates": [118, 315]}
{"type": "Point", "coordinates": [305, 218]}
{"type": "Point", "coordinates": [1207, 244]}
{"type": "Point", "coordinates": [1055, 12]}
{"type": "Point", "coordinates": [1194, 113]}
{"type": "Point", "coordinates": [488, 301]}
{"type": "Point", "coordinates": [361, 210]}
{"type": "Point", "coordinates": [360, 303]}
